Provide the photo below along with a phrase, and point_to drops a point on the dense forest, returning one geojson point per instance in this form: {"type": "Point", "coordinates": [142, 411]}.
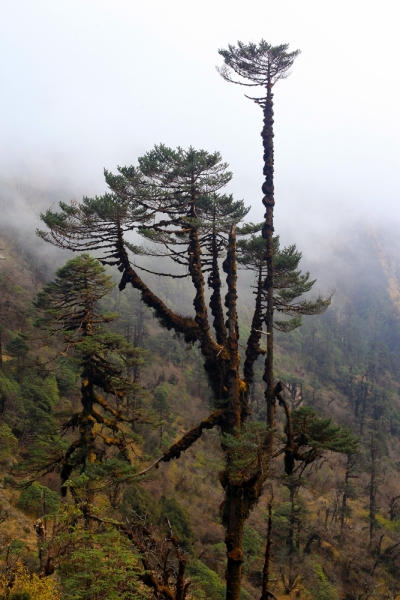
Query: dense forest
{"type": "Point", "coordinates": [183, 413]}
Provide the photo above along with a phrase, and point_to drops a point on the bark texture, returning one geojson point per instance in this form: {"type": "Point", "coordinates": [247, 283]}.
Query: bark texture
{"type": "Point", "coordinates": [268, 232]}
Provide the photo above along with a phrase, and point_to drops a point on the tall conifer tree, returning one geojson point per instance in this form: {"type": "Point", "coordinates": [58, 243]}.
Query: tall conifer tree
{"type": "Point", "coordinates": [173, 199]}
{"type": "Point", "coordinates": [70, 309]}
{"type": "Point", "coordinates": [263, 65]}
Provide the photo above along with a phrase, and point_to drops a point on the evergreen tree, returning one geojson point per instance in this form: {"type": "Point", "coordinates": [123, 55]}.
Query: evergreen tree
{"type": "Point", "coordinates": [289, 282]}
{"type": "Point", "coordinates": [289, 285]}
{"type": "Point", "coordinates": [162, 407]}
{"type": "Point", "coordinates": [263, 65]}
{"type": "Point", "coordinates": [176, 204]}
{"type": "Point", "coordinates": [174, 200]}
{"type": "Point", "coordinates": [70, 309]}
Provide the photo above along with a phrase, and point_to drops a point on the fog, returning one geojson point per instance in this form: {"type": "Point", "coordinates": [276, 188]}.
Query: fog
{"type": "Point", "coordinates": [89, 84]}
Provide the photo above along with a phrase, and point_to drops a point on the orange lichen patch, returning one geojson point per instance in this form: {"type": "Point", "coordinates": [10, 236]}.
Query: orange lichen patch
{"type": "Point", "coordinates": [236, 555]}
{"type": "Point", "coordinates": [243, 387]}
{"type": "Point", "coordinates": [105, 404]}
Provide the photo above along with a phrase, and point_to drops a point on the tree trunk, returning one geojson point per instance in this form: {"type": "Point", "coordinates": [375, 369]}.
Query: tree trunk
{"type": "Point", "coordinates": [372, 490]}
{"type": "Point", "coordinates": [267, 232]}
{"type": "Point", "coordinates": [236, 505]}
{"type": "Point", "coordinates": [253, 343]}
{"type": "Point", "coordinates": [349, 466]}
{"type": "Point", "coordinates": [265, 584]}
{"type": "Point", "coordinates": [214, 281]}
{"type": "Point", "coordinates": [234, 516]}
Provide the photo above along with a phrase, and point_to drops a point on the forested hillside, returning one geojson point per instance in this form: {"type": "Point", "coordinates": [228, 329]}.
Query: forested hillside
{"type": "Point", "coordinates": [334, 523]}
{"type": "Point", "coordinates": [190, 408]}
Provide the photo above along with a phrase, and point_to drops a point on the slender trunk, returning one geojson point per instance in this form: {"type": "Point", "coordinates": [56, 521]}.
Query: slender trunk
{"type": "Point", "coordinates": [372, 490]}
{"type": "Point", "coordinates": [267, 562]}
{"type": "Point", "coordinates": [161, 429]}
{"type": "Point", "coordinates": [239, 498]}
{"type": "Point", "coordinates": [181, 584]}
{"type": "Point", "coordinates": [236, 505]}
{"type": "Point", "coordinates": [253, 343]}
{"type": "Point", "coordinates": [196, 273]}
{"type": "Point", "coordinates": [235, 514]}
{"type": "Point", "coordinates": [393, 508]}
{"type": "Point", "coordinates": [234, 413]}
{"type": "Point", "coordinates": [86, 423]}
{"type": "Point", "coordinates": [345, 494]}
{"type": "Point", "coordinates": [364, 399]}
{"type": "Point", "coordinates": [214, 281]}
{"type": "Point", "coordinates": [292, 519]}
{"type": "Point", "coordinates": [268, 231]}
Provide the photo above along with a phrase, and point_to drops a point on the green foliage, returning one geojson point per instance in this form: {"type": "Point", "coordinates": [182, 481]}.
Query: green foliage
{"type": "Point", "coordinates": [165, 165]}
{"type": "Point", "coordinates": [325, 590]}
{"type": "Point", "coordinates": [15, 548]}
{"type": "Point", "coordinates": [169, 182]}
{"type": "Point", "coordinates": [321, 434]}
{"type": "Point", "coordinates": [8, 386]}
{"type": "Point", "coordinates": [18, 346]}
{"type": "Point", "coordinates": [160, 401]}
{"type": "Point", "coordinates": [206, 582]}
{"type": "Point", "coordinates": [289, 282]}
{"type": "Point", "coordinates": [246, 451]}
{"type": "Point", "coordinates": [172, 195]}
{"type": "Point", "coordinates": [179, 519]}
{"type": "Point", "coordinates": [69, 308]}
{"type": "Point", "coordinates": [100, 566]}
{"type": "Point", "coordinates": [36, 498]}
{"type": "Point", "coordinates": [26, 585]}
{"type": "Point", "coordinates": [138, 502]}
{"type": "Point", "coordinates": [288, 520]}
{"type": "Point", "coordinates": [253, 547]}
{"type": "Point", "coordinates": [262, 64]}
{"type": "Point", "coordinates": [69, 301]}
{"type": "Point", "coordinates": [165, 345]}
{"type": "Point", "coordinates": [40, 393]}
{"type": "Point", "coordinates": [66, 377]}
{"type": "Point", "coordinates": [8, 446]}
{"type": "Point", "coordinates": [29, 411]}
{"type": "Point", "coordinates": [219, 211]}
{"type": "Point", "coordinates": [38, 397]}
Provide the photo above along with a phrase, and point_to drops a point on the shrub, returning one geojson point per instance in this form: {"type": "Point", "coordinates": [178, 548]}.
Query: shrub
{"type": "Point", "coordinates": [138, 501]}
{"type": "Point", "coordinates": [179, 518]}
{"type": "Point", "coordinates": [27, 586]}
{"type": "Point", "coordinates": [31, 500]}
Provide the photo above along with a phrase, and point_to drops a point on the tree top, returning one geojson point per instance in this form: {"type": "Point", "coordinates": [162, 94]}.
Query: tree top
{"type": "Point", "coordinates": [256, 64]}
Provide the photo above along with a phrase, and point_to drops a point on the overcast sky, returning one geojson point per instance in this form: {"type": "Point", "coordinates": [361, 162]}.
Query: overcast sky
{"type": "Point", "coordinates": [88, 84]}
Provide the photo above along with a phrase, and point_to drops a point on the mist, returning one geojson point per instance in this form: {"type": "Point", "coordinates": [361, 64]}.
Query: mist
{"type": "Point", "coordinates": [95, 84]}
